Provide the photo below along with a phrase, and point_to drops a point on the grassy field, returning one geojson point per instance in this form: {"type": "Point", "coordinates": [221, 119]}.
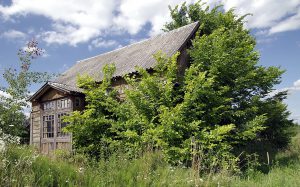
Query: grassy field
{"type": "Point", "coordinates": [22, 166]}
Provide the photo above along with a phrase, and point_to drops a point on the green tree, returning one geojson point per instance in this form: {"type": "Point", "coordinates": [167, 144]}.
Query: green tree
{"type": "Point", "coordinates": [250, 85]}
{"type": "Point", "coordinates": [12, 117]}
{"type": "Point", "coordinates": [221, 104]}
{"type": "Point", "coordinates": [209, 18]}
{"type": "Point", "coordinates": [92, 129]}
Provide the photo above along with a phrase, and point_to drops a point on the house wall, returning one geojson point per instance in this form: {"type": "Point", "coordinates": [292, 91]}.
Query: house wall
{"type": "Point", "coordinates": [52, 94]}
{"type": "Point", "coordinates": [183, 62]}
{"type": "Point", "coordinates": [35, 130]}
{"type": "Point", "coordinates": [36, 117]}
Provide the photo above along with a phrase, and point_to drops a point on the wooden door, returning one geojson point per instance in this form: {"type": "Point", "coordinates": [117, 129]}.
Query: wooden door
{"type": "Point", "coordinates": [52, 136]}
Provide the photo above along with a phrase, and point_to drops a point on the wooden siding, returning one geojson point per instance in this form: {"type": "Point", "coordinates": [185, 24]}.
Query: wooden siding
{"type": "Point", "coordinates": [52, 94]}
{"type": "Point", "coordinates": [47, 145]}
{"type": "Point", "coordinates": [35, 125]}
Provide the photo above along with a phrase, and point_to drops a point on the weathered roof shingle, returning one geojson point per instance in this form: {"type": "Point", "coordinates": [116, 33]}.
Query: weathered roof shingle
{"type": "Point", "coordinates": [127, 58]}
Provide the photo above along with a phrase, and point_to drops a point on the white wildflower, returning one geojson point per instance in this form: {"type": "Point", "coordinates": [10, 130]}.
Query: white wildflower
{"type": "Point", "coordinates": [80, 170]}
{"type": "Point", "coordinates": [7, 139]}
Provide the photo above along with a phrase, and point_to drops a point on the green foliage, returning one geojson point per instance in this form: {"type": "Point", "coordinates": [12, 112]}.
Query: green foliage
{"type": "Point", "coordinates": [210, 18]}
{"type": "Point", "coordinates": [93, 128]}
{"type": "Point", "coordinates": [12, 118]}
{"type": "Point", "coordinates": [23, 166]}
{"type": "Point", "coordinates": [220, 105]}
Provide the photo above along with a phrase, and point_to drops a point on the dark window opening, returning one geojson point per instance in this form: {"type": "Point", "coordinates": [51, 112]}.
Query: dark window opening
{"type": "Point", "coordinates": [48, 126]}
{"type": "Point", "coordinates": [60, 125]}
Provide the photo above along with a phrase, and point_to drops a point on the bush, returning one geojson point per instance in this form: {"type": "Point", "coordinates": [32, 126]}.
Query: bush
{"type": "Point", "coordinates": [221, 104]}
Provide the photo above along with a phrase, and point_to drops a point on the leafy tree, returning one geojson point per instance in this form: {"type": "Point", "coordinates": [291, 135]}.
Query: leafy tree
{"type": "Point", "coordinates": [12, 118]}
{"type": "Point", "coordinates": [221, 103]}
{"type": "Point", "coordinates": [251, 85]}
{"type": "Point", "coordinates": [209, 18]}
{"type": "Point", "coordinates": [92, 129]}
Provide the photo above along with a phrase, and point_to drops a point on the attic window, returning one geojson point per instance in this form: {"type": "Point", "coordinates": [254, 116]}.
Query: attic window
{"type": "Point", "coordinates": [63, 103]}
{"type": "Point", "coordinates": [49, 105]}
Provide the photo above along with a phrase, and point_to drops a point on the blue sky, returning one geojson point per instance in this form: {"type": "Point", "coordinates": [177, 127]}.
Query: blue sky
{"type": "Point", "coordinates": [72, 30]}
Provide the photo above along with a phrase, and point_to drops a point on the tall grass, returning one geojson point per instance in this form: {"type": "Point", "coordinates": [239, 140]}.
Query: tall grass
{"type": "Point", "coordinates": [23, 166]}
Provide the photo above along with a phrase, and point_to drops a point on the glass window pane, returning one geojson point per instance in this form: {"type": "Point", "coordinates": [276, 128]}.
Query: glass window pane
{"type": "Point", "coordinates": [61, 125]}
{"type": "Point", "coordinates": [48, 126]}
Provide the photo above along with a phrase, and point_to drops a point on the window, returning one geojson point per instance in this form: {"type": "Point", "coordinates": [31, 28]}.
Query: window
{"type": "Point", "coordinates": [48, 126]}
{"type": "Point", "coordinates": [52, 123]}
{"type": "Point", "coordinates": [77, 102]}
{"type": "Point", "coordinates": [49, 105]}
{"type": "Point", "coordinates": [61, 125]}
{"type": "Point", "coordinates": [63, 103]}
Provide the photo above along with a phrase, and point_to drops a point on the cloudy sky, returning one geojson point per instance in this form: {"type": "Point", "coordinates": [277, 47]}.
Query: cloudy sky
{"type": "Point", "coordinates": [72, 30]}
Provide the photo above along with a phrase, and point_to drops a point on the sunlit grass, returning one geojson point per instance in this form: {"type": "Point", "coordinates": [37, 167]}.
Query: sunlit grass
{"type": "Point", "coordinates": [23, 166]}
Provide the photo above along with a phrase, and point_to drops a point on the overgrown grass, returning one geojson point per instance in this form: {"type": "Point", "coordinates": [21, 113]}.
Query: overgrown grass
{"type": "Point", "coordinates": [23, 166]}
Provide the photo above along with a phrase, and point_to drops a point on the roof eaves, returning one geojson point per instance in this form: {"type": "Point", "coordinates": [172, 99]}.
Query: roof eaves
{"type": "Point", "coordinates": [190, 35]}
{"type": "Point", "coordinates": [53, 85]}
{"type": "Point", "coordinates": [31, 98]}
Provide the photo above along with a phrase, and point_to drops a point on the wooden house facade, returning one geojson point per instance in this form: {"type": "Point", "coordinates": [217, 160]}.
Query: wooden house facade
{"type": "Point", "coordinates": [61, 96]}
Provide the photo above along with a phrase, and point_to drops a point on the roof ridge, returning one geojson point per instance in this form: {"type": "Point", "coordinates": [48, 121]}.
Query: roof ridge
{"type": "Point", "coordinates": [130, 56]}
{"type": "Point", "coordinates": [126, 58]}
{"type": "Point", "coordinates": [144, 40]}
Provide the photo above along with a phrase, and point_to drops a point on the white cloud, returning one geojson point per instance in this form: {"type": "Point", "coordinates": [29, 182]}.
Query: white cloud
{"type": "Point", "coordinates": [74, 22]}
{"type": "Point", "coordinates": [288, 24]}
{"type": "Point", "coordinates": [297, 84]}
{"type": "Point", "coordinates": [100, 42]}
{"type": "Point", "coordinates": [13, 34]}
{"type": "Point", "coordinates": [265, 40]}
{"type": "Point", "coordinates": [296, 118]}
{"type": "Point", "coordinates": [295, 87]}
{"type": "Point", "coordinates": [290, 90]}
{"type": "Point", "coordinates": [4, 94]}
{"type": "Point", "coordinates": [274, 15]}
{"type": "Point", "coordinates": [134, 14]}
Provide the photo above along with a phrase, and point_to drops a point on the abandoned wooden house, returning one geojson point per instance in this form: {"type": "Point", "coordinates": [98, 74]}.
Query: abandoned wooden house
{"type": "Point", "coordinates": [62, 96]}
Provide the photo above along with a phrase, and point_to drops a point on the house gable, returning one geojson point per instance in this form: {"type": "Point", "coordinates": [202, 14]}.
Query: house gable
{"type": "Point", "coordinates": [52, 94]}
{"type": "Point", "coordinates": [48, 103]}
{"type": "Point", "coordinates": [126, 59]}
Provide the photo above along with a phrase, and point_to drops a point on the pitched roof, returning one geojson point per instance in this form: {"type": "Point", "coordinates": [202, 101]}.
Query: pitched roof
{"type": "Point", "coordinates": [58, 86]}
{"type": "Point", "coordinates": [127, 58]}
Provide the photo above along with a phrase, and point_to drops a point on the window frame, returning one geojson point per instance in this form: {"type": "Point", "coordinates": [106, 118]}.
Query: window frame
{"type": "Point", "coordinates": [60, 123]}
{"type": "Point", "coordinates": [64, 103]}
{"type": "Point", "coordinates": [55, 111]}
{"type": "Point", "coordinates": [48, 118]}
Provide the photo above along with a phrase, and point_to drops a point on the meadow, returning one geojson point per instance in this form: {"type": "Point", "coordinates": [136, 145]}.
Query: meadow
{"type": "Point", "coordinates": [23, 166]}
